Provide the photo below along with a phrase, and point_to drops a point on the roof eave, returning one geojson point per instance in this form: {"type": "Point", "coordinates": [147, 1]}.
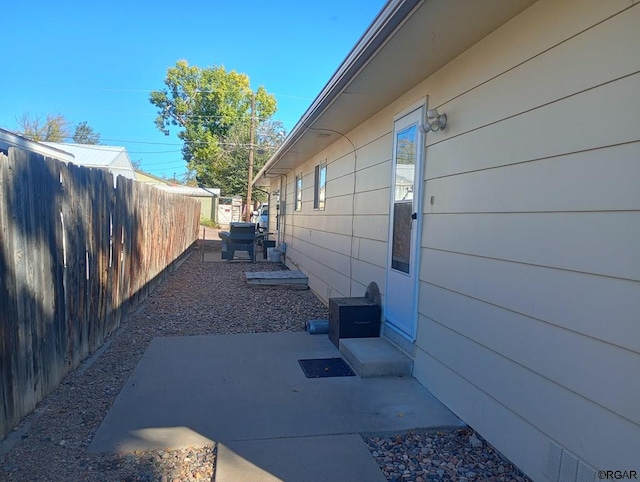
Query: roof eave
{"type": "Point", "coordinates": [389, 18]}
{"type": "Point", "coordinates": [414, 37]}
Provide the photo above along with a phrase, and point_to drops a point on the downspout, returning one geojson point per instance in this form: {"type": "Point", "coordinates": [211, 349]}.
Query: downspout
{"type": "Point", "coordinates": [283, 217]}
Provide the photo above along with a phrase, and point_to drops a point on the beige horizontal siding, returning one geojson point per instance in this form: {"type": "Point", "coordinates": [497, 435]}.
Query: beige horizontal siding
{"type": "Point", "coordinates": [364, 273]}
{"type": "Point", "coordinates": [303, 240]}
{"type": "Point", "coordinates": [339, 204]}
{"type": "Point", "coordinates": [596, 306]}
{"type": "Point", "coordinates": [571, 360]}
{"type": "Point", "coordinates": [535, 32]}
{"type": "Point", "coordinates": [563, 127]}
{"type": "Point", "coordinates": [332, 241]}
{"type": "Point", "coordinates": [560, 128]}
{"type": "Point", "coordinates": [373, 178]}
{"type": "Point", "coordinates": [604, 437]}
{"type": "Point", "coordinates": [530, 274]}
{"type": "Point", "coordinates": [374, 227]}
{"type": "Point", "coordinates": [321, 242]}
{"type": "Point", "coordinates": [530, 277]}
{"type": "Point", "coordinates": [373, 252]}
{"type": "Point", "coordinates": [322, 275]}
{"type": "Point", "coordinates": [526, 443]}
{"type": "Point", "coordinates": [372, 202]}
{"type": "Point", "coordinates": [337, 168]}
{"type": "Point", "coordinates": [493, 420]}
{"type": "Point", "coordinates": [604, 243]}
{"type": "Point", "coordinates": [503, 96]}
{"type": "Point", "coordinates": [336, 188]}
{"type": "Point", "coordinates": [377, 147]}
{"type": "Point", "coordinates": [573, 182]}
{"type": "Point", "coordinates": [320, 221]}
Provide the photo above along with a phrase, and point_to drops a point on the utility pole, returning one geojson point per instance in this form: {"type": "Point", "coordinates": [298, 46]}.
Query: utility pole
{"type": "Point", "coordinates": [251, 139]}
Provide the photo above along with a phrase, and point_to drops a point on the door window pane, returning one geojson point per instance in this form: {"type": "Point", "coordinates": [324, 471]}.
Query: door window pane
{"type": "Point", "coordinates": [404, 163]}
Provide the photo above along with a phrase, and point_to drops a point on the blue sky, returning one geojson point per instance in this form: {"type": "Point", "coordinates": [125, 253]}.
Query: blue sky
{"type": "Point", "coordinates": [97, 61]}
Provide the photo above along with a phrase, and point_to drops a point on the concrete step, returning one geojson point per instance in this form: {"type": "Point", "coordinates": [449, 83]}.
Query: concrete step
{"type": "Point", "coordinates": [375, 357]}
{"type": "Point", "coordinates": [284, 277]}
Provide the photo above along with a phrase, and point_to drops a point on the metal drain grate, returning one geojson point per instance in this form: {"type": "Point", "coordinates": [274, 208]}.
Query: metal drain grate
{"type": "Point", "coordinates": [325, 368]}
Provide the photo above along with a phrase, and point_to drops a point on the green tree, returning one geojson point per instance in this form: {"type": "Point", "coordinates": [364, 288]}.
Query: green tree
{"type": "Point", "coordinates": [53, 128]}
{"type": "Point", "coordinates": [212, 110]}
{"type": "Point", "coordinates": [189, 179]}
{"type": "Point", "coordinates": [84, 134]}
{"type": "Point", "coordinates": [233, 164]}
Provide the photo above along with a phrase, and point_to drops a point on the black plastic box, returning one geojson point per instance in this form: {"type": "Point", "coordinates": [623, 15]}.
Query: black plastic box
{"type": "Point", "coordinates": [353, 318]}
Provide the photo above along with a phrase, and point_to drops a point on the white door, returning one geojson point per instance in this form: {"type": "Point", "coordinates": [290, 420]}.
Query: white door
{"type": "Point", "coordinates": [404, 225]}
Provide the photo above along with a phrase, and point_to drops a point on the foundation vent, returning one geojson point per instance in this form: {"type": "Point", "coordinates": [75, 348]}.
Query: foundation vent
{"type": "Point", "coordinates": [563, 466]}
{"type": "Point", "coordinates": [554, 458]}
{"type": "Point", "coordinates": [585, 473]}
{"type": "Point", "coordinates": [568, 467]}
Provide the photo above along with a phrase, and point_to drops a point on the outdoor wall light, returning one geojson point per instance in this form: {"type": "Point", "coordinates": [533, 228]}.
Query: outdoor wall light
{"type": "Point", "coordinates": [435, 121]}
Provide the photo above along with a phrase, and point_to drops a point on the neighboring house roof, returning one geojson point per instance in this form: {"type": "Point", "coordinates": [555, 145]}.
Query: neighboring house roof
{"type": "Point", "coordinates": [407, 42]}
{"type": "Point", "coordinates": [147, 178]}
{"type": "Point", "coordinates": [165, 185]}
{"type": "Point", "coordinates": [113, 158]}
{"type": "Point", "coordinates": [11, 139]}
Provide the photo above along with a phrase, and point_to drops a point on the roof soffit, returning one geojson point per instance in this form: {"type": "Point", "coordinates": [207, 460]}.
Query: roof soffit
{"type": "Point", "coordinates": [431, 35]}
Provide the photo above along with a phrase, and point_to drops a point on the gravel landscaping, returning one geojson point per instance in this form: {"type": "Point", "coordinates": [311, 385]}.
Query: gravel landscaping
{"type": "Point", "coordinates": [204, 298]}
{"type": "Point", "coordinates": [459, 455]}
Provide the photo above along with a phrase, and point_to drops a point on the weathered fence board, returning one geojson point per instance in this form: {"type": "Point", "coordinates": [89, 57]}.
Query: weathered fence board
{"type": "Point", "coordinates": [76, 254]}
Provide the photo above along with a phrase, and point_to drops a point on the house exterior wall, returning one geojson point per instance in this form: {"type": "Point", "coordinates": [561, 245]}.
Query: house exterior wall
{"type": "Point", "coordinates": [208, 208]}
{"type": "Point", "coordinates": [530, 275]}
{"type": "Point", "coordinates": [341, 252]}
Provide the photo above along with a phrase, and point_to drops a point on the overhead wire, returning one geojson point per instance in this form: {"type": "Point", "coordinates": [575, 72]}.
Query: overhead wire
{"type": "Point", "coordinates": [206, 92]}
{"type": "Point", "coordinates": [192, 143]}
{"type": "Point", "coordinates": [353, 198]}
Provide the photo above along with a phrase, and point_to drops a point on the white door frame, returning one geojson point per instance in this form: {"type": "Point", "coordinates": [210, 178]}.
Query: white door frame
{"type": "Point", "coordinates": [401, 291]}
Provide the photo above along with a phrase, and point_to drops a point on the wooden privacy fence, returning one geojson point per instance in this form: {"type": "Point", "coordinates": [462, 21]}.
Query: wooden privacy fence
{"type": "Point", "coordinates": [76, 254]}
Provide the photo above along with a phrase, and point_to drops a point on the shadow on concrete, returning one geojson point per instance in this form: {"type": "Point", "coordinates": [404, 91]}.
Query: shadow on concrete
{"type": "Point", "coordinates": [248, 394]}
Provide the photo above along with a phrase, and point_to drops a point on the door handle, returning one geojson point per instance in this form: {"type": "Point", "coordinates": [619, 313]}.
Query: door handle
{"type": "Point", "coordinates": [414, 216]}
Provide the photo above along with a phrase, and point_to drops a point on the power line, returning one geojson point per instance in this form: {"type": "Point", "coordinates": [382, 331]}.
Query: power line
{"type": "Point", "coordinates": [153, 152]}
{"type": "Point", "coordinates": [168, 163]}
{"type": "Point", "coordinates": [129, 141]}
{"type": "Point", "coordinates": [207, 92]}
{"type": "Point", "coordinates": [175, 162]}
{"type": "Point", "coordinates": [263, 119]}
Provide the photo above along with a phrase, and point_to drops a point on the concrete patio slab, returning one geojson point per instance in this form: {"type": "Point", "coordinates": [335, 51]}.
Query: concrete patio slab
{"type": "Point", "coordinates": [239, 388]}
{"type": "Point", "coordinates": [312, 459]}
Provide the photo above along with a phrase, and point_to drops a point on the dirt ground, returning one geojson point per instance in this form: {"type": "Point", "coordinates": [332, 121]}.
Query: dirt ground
{"type": "Point", "coordinates": [208, 234]}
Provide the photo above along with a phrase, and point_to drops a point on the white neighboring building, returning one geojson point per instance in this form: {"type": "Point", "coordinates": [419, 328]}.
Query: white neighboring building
{"type": "Point", "coordinates": [115, 159]}
{"type": "Point", "coordinates": [10, 139]}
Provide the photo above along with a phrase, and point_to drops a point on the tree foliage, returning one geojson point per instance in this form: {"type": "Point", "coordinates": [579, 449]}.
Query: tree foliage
{"type": "Point", "coordinates": [211, 107]}
{"type": "Point", "coordinates": [85, 134]}
{"type": "Point", "coordinates": [233, 167]}
{"type": "Point", "coordinates": [53, 128]}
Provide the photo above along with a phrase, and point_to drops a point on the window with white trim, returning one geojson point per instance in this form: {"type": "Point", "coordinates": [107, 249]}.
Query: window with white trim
{"type": "Point", "coordinates": [319, 185]}
{"type": "Point", "coordinates": [298, 196]}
